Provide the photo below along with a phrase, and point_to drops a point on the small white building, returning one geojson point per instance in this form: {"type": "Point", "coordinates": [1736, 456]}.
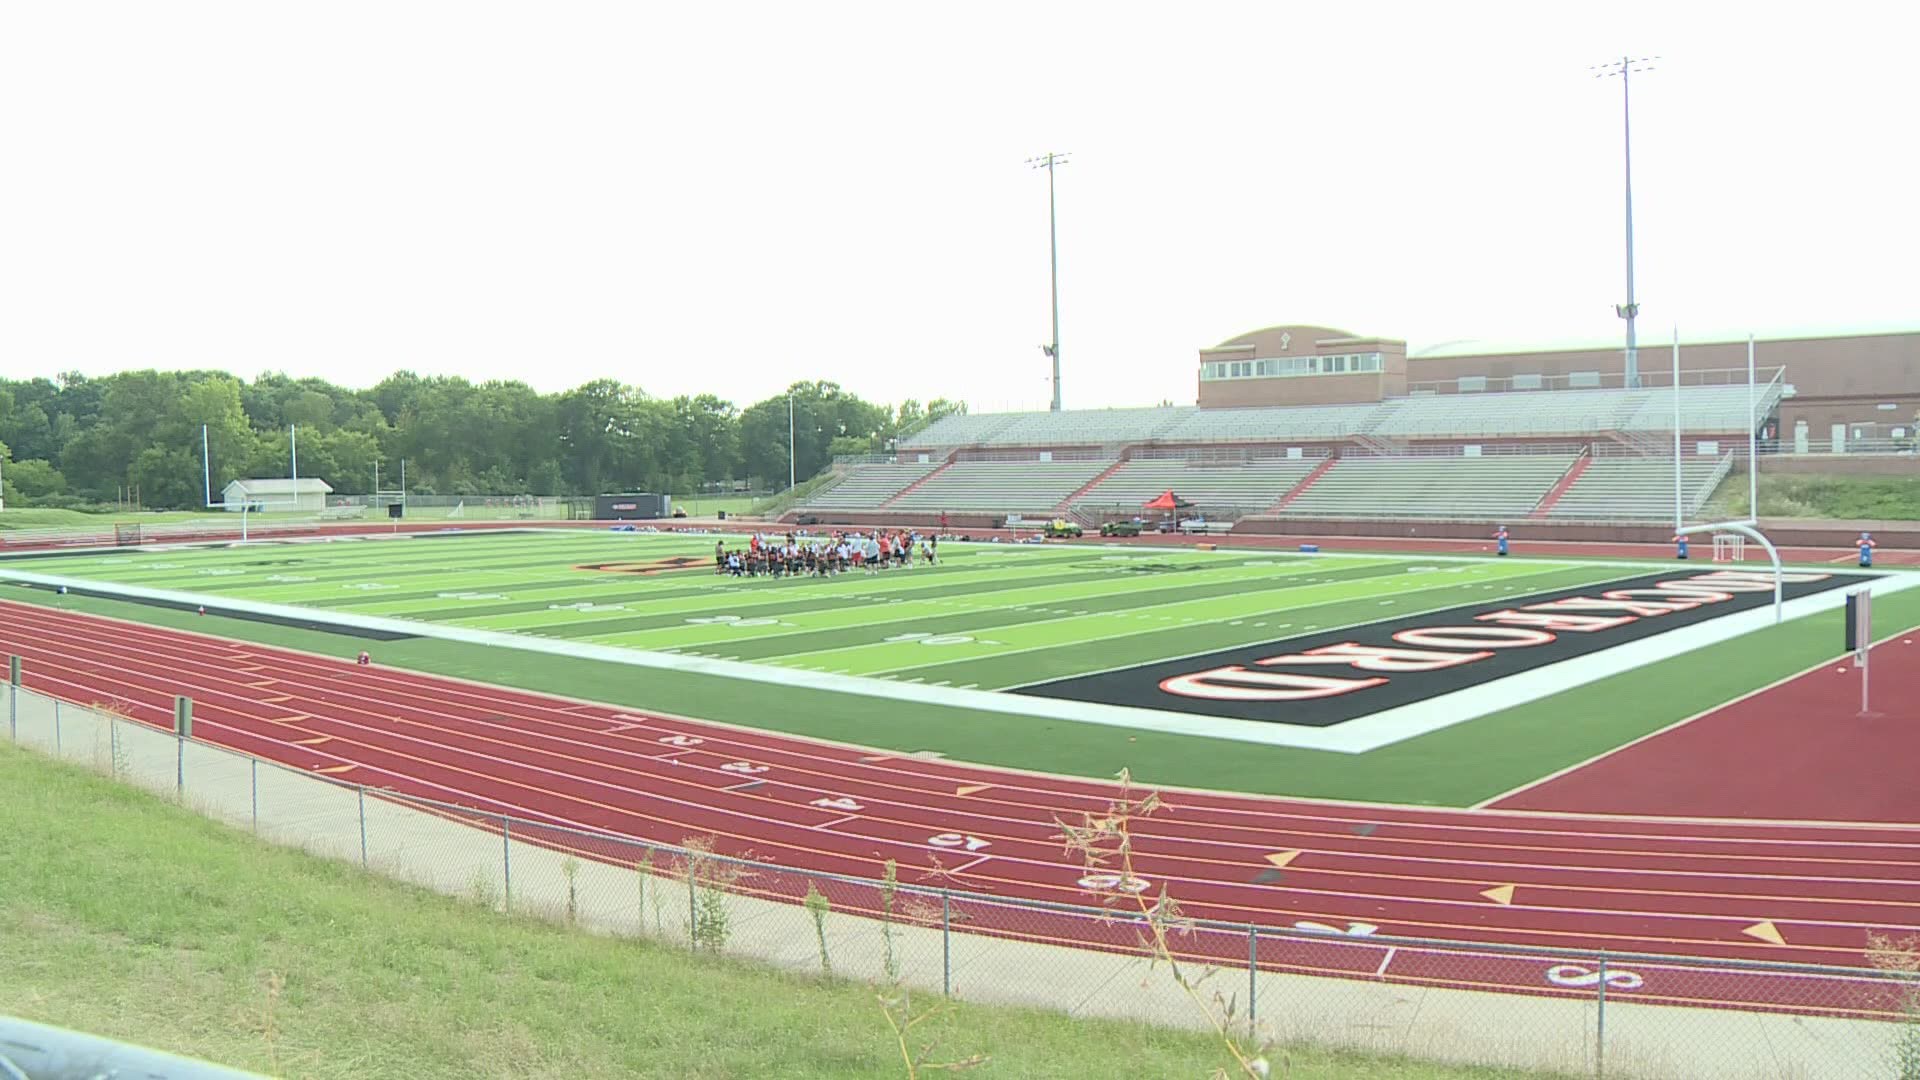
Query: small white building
{"type": "Point", "coordinates": [309, 493]}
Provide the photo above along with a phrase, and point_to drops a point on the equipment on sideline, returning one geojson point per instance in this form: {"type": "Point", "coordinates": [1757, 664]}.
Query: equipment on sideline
{"type": "Point", "coordinates": [1729, 547]}
{"type": "Point", "coordinates": [126, 535]}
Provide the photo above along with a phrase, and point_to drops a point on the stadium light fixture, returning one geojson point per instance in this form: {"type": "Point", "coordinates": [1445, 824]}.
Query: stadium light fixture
{"type": "Point", "coordinates": [1624, 68]}
{"type": "Point", "coordinates": [1048, 161]}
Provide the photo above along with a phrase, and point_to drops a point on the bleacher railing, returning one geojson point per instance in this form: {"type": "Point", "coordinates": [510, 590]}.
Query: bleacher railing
{"type": "Point", "coordinates": [1571, 1011]}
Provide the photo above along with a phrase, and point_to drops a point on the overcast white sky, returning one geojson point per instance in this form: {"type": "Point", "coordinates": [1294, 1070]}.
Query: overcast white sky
{"type": "Point", "coordinates": [728, 197]}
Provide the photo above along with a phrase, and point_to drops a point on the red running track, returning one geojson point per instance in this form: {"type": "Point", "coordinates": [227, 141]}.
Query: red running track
{"type": "Point", "coordinates": [1669, 886]}
{"type": "Point", "coordinates": [1800, 749]}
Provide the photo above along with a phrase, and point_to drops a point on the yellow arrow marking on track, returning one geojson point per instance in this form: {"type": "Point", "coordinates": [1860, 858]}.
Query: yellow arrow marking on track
{"type": "Point", "coordinates": [1282, 858]}
{"type": "Point", "coordinates": [313, 741]}
{"type": "Point", "coordinates": [971, 788]}
{"type": "Point", "coordinates": [1765, 931]}
{"type": "Point", "coordinates": [335, 769]}
{"type": "Point", "coordinates": [1499, 894]}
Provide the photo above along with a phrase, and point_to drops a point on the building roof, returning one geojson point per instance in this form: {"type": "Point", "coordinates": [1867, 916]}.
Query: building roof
{"type": "Point", "coordinates": [306, 485]}
{"type": "Point", "coordinates": [1447, 349]}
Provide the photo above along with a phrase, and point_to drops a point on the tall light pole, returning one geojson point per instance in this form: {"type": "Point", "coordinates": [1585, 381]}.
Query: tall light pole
{"type": "Point", "coordinates": [1625, 67]}
{"type": "Point", "coordinates": [792, 463]}
{"type": "Point", "coordinates": [1047, 161]}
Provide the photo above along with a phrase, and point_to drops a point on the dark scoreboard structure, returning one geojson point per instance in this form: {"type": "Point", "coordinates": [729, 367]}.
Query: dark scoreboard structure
{"type": "Point", "coordinates": [634, 507]}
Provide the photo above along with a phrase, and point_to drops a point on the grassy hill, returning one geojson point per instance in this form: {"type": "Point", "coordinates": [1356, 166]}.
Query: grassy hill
{"type": "Point", "coordinates": [125, 916]}
{"type": "Point", "coordinates": [1843, 498]}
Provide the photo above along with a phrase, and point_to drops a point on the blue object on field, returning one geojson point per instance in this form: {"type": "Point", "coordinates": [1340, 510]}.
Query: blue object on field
{"type": "Point", "coordinates": [1309, 547]}
{"type": "Point", "coordinates": [622, 528]}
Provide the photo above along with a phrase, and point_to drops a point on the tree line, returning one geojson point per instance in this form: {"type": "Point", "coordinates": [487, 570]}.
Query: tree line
{"type": "Point", "coordinates": [75, 440]}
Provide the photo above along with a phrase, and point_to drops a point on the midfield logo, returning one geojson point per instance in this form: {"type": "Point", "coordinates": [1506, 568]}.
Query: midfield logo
{"type": "Point", "coordinates": [655, 566]}
{"type": "Point", "coordinates": [1325, 679]}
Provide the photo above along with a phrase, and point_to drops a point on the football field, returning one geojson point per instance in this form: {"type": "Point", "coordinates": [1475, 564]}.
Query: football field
{"type": "Point", "coordinates": [996, 652]}
{"type": "Point", "coordinates": [986, 616]}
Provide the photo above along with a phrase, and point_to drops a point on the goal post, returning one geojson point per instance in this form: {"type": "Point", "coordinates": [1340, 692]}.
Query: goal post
{"type": "Point", "coordinates": [1736, 531]}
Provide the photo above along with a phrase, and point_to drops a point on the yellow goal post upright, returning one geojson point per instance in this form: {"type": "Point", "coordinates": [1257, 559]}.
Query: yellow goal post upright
{"type": "Point", "coordinates": [1749, 526]}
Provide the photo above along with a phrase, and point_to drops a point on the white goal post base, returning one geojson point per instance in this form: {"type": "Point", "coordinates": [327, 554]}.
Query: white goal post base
{"type": "Point", "coordinates": [1745, 529]}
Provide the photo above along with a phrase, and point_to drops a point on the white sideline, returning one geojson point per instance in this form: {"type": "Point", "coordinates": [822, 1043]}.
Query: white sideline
{"type": "Point", "coordinates": [1352, 737]}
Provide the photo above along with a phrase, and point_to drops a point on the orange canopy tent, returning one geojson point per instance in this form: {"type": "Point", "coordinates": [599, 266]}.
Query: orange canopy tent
{"type": "Point", "coordinates": [1167, 501]}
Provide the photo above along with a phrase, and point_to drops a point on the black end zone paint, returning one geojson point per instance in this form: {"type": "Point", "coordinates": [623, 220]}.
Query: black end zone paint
{"type": "Point", "coordinates": [1140, 686]}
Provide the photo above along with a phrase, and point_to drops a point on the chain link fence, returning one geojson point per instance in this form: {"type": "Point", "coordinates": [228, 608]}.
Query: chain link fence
{"type": "Point", "coordinates": [1568, 1012]}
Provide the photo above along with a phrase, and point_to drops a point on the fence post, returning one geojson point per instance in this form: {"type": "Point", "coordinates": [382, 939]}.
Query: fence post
{"type": "Point", "coordinates": [506, 863]}
{"type": "Point", "coordinates": [113, 746]}
{"type": "Point", "coordinates": [13, 698]}
{"type": "Point", "coordinates": [1600, 1022]}
{"type": "Point", "coordinates": [182, 731]}
{"type": "Point", "coordinates": [693, 909]}
{"type": "Point", "coordinates": [1253, 973]}
{"type": "Point", "coordinates": [946, 943]}
{"type": "Point", "coordinates": [253, 791]}
{"type": "Point", "coordinates": [361, 793]}
{"type": "Point", "coordinates": [57, 752]}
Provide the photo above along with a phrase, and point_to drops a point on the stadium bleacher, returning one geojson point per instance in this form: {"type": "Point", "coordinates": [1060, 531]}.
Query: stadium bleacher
{"type": "Point", "coordinates": [1500, 485]}
{"type": "Point", "coordinates": [1401, 458]}
{"type": "Point", "coordinates": [867, 486]}
{"type": "Point", "coordinates": [1636, 489]}
{"type": "Point", "coordinates": [1704, 409]}
{"type": "Point", "coordinates": [1565, 412]}
{"type": "Point", "coordinates": [1023, 487]}
{"type": "Point", "coordinates": [1251, 485]}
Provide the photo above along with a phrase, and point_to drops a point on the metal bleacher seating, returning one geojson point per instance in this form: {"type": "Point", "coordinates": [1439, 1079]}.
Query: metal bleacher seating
{"type": "Point", "coordinates": [1520, 413]}
{"type": "Point", "coordinates": [1702, 408]}
{"type": "Point", "coordinates": [1705, 409]}
{"type": "Point", "coordinates": [1251, 485]}
{"type": "Point", "coordinates": [1243, 425]}
{"type": "Point", "coordinates": [867, 486]}
{"type": "Point", "coordinates": [1637, 489]}
{"type": "Point", "coordinates": [1500, 485]}
{"type": "Point", "coordinates": [1023, 487]}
